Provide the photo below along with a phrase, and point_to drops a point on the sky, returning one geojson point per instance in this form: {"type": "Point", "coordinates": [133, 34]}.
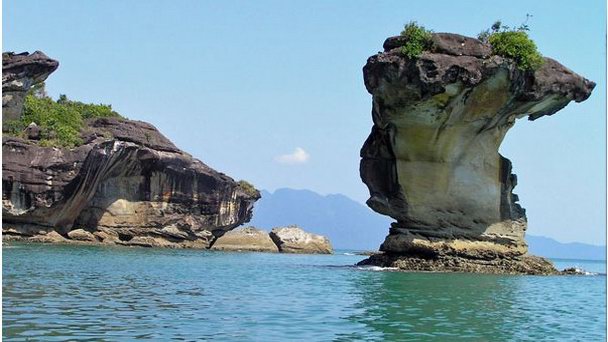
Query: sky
{"type": "Point", "coordinates": [272, 91]}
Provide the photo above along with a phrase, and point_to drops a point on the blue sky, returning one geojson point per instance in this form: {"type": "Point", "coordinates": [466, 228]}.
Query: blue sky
{"type": "Point", "coordinates": [272, 91]}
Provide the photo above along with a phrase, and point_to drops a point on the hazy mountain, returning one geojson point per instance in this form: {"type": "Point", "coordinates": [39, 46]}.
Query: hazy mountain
{"type": "Point", "coordinates": [347, 223]}
{"type": "Point", "coordinates": [547, 247]}
{"type": "Point", "coordinates": [352, 225]}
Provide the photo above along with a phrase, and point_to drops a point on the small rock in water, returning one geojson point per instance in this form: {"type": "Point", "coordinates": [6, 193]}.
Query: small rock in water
{"type": "Point", "coordinates": [294, 239]}
{"type": "Point", "coordinates": [246, 239]}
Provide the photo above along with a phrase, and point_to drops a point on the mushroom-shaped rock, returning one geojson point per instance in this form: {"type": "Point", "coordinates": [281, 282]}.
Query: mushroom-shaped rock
{"type": "Point", "coordinates": [431, 161]}
{"type": "Point", "coordinates": [19, 72]}
{"type": "Point", "coordinates": [294, 239]}
{"type": "Point", "coordinates": [247, 239]}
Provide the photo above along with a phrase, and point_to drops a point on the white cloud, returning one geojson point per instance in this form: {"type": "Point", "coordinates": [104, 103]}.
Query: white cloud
{"type": "Point", "coordinates": [298, 156]}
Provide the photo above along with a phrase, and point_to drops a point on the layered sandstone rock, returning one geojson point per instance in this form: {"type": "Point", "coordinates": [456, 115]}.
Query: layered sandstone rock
{"type": "Point", "coordinates": [294, 239]}
{"type": "Point", "coordinates": [431, 161]}
{"type": "Point", "coordinates": [126, 183]}
{"type": "Point", "coordinates": [248, 239]}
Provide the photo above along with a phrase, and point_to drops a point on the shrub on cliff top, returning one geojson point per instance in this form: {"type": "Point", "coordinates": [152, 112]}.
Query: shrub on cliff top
{"type": "Point", "coordinates": [514, 44]}
{"type": "Point", "coordinates": [418, 39]}
{"type": "Point", "coordinates": [59, 121]}
{"type": "Point", "coordinates": [247, 187]}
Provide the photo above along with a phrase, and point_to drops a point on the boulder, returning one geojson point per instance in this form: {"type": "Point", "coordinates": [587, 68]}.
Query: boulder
{"type": "Point", "coordinates": [81, 235]}
{"type": "Point", "coordinates": [32, 131]}
{"type": "Point", "coordinates": [247, 239]}
{"type": "Point", "coordinates": [294, 239]}
{"type": "Point", "coordinates": [50, 237]}
{"type": "Point", "coordinates": [106, 237]}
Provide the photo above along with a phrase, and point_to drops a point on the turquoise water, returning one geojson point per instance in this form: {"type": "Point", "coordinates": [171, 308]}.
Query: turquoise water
{"type": "Point", "coordinates": [53, 292]}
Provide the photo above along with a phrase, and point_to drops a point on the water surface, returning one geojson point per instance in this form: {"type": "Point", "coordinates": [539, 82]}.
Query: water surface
{"type": "Point", "coordinates": [54, 292]}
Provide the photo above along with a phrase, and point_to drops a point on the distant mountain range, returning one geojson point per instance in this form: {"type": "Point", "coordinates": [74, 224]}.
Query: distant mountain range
{"type": "Point", "coordinates": [547, 247]}
{"type": "Point", "coordinates": [352, 225]}
{"type": "Point", "coordinates": [347, 223]}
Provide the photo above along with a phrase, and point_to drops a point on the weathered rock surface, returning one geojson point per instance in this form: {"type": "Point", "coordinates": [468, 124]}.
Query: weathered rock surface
{"type": "Point", "coordinates": [81, 235]}
{"type": "Point", "coordinates": [293, 239]}
{"type": "Point", "coordinates": [50, 237]}
{"type": "Point", "coordinates": [19, 73]}
{"type": "Point", "coordinates": [245, 239]}
{"type": "Point", "coordinates": [126, 183]}
{"type": "Point", "coordinates": [523, 264]}
{"type": "Point", "coordinates": [431, 161]}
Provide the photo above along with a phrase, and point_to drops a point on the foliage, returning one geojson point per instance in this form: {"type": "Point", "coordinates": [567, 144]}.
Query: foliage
{"type": "Point", "coordinates": [418, 39]}
{"type": "Point", "coordinates": [514, 44]}
{"type": "Point", "coordinates": [247, 187]}
{"type": "Point", "coordinates": [38, 90]}
{"type": "Point", "coordinates": [13, 127]}
{"type": "Point", "coordinates": [59, 121]}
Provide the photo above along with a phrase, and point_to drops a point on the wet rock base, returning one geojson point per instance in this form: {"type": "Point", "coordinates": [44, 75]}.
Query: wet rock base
{"type": "Point", "coordinates": [524, 264]}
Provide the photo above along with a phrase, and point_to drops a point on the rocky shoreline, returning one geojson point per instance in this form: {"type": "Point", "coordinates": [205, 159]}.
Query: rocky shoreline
{"type": "Point", "coordinates": [290, 239]}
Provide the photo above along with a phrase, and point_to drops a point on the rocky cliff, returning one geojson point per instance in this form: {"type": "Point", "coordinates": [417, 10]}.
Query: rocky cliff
{"type": "Point", "coordinates": [125, 184]}
{"type": "Point", "coordinates": [431, 161]}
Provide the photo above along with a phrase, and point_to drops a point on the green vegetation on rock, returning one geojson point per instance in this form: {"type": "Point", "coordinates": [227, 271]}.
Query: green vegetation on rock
{"type": "Point", "coordinates": [514, 44]}
{"type": "Point", "coordinates": [418, 39]}
{"type": "Point", "coordinates": [60, 121]}
{"type": "Point", "coordinates": [247, 187]}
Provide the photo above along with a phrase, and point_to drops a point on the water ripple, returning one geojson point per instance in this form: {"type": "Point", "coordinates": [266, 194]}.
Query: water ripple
{"type": "Point", "coordinates": [55, 293]}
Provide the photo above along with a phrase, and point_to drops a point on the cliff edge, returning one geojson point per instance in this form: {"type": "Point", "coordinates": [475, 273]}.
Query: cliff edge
{"type": "Point", "coordinates": [431, 161]}
{"type": "Point", "coordinates": [125, 183]}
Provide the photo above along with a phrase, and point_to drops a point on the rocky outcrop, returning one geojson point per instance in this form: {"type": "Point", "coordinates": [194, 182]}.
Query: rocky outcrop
{"type": "Point", "coordinates": [293, 239]}
{"type": "Point", "coordinates": [248, 239]}
{"type": "Point", "coordinates": [126, 184]}
{"type": "Point", "coordinates": [431, 161]}
{"type": "Point", "coordinates": [19, 73]}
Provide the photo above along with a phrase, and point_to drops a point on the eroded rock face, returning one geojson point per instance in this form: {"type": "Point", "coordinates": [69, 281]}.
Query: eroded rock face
{"type": "Point", "coordinates": [294, 239]}
{"type": "Point", "coordinates": [246, 239]}
{"type": "Point", "coordinates": [431, 161]}
{"type": "Point", "coordinates": [126, 184]}
{"type": "Point", "coordinates": [19, 73]}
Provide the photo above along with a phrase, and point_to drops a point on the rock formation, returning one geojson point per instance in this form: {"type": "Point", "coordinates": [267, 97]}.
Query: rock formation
{"type": "Point", "coordinates": [126, 184]}
{"type": "Point", "coordinates": [19, 73]}
{"type": "Point", "coordinates": [248, 239]}
{"type": "Point", "coordinates": [431, 161]}
{"type": "Point", "coordinates": [293, 239]}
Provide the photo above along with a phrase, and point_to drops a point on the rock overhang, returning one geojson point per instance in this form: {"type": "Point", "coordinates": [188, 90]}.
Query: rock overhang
{"type": "Point", "coordinates": [431, 161]}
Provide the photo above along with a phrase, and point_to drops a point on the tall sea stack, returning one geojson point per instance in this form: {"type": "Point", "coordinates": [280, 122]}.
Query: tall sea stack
{"type": "Point", "coordinates": [431, 161]}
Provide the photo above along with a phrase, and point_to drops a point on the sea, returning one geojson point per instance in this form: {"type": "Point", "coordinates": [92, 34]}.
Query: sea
{"type": "Point", "coordinates": [94, 293]}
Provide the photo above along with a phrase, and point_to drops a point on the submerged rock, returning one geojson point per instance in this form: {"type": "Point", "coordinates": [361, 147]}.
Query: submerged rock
{"type": "Point", "coordinates": [245, 239]}
{"type": "Point", "coordinates": [294, 239]}
{"type": "Point", "coordinates": [431, 161]}
{"type": "Point", "coordinates": [126, 183]}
